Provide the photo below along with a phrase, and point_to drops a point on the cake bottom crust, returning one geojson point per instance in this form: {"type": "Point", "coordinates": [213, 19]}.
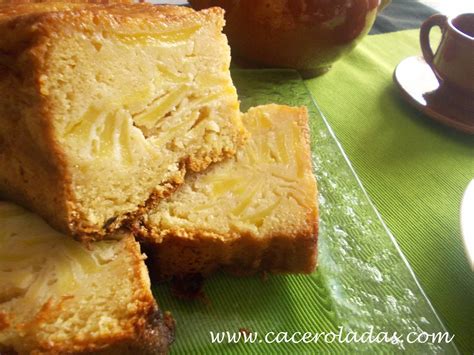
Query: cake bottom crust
{"type": "Point", "coordinates": [196, 163]}
{"type": "Point", "coordinates": [242, 256]}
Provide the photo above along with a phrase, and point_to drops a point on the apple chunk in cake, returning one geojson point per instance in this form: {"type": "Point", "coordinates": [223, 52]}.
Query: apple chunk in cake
{"type": "Point", "coordinates": [58, 296]}
{"type": "Point", "coordinates": [103, 108]}
{"type": "Point", "coordinates": [257, 211]}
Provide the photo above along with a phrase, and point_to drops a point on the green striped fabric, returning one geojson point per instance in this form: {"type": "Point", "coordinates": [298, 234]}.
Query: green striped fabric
{"type": "Point", "coordinates": [414, 169]}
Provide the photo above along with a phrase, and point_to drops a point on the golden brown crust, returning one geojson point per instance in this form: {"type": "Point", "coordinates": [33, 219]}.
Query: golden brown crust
{"type": "Point", "coordinates": [194, 164]}
{"type": "Point", "coordinates": [242, 256]}
{"type": "Point", "coordinates": [86, 233]}
{"type": "Point", "coordinates": [4, 323]}
{"type": "Point", "coordinates": [103, 2]}
{"type": "Point", "coordinates": [110, 11]}
{"type": "Point", "coordinates": [28, 151]}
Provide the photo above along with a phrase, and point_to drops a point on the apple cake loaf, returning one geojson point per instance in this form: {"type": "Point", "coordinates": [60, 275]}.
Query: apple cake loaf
{"type": "Point", "coordinates": [58, 296]}
{"type": "Point", "coordinates": [255, 212]}
{"type": "Point", "coordinates": [103, 108]}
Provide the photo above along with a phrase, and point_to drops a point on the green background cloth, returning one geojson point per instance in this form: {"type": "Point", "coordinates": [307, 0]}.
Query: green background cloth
{"type": "Point", "coordinates": [414, 169]}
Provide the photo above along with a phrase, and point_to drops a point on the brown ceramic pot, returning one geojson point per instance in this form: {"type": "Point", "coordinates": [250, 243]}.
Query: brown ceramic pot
{"type": "Point", "coordinates": [308, 35]}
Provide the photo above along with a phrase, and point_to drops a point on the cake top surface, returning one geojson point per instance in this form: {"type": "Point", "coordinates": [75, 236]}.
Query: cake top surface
{"type": "Point", "coordinates": [112, 13]}
{"type": "Point", "coordinates": [12, 10]}
{"type": "Point", "coordinates": [266, 190]}
{"type": "Point", "coordinates": [23, 25]}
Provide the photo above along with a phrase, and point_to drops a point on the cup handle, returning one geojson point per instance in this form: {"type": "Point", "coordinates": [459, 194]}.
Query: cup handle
{"type": "Point", "coordinates": [435, 20]}
{"type": "Point", "coordinates": [383, 5]}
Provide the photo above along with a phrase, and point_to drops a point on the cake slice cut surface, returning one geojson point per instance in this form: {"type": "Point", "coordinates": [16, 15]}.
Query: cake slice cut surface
{"type": "Point", "coordinates": [58, 296]}
{"type": "Point", "coordinates": [255, 212]}
{"type": "Point", "coordinates": [103, 108]}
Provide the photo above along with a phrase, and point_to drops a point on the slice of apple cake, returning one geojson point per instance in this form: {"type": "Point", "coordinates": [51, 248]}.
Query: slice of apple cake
{"type": "Point", "coordinates": [257, 211]}
{"type": "Point", "coordinates": [103, 108]}
{"type": "Point", "coordinates": [58, 296]}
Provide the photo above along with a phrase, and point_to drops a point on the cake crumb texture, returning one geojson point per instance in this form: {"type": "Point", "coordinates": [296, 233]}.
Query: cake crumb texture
{"type": "Point", "coordinates": [59, 296]}
{"type": "Point", "coordinates": [104, 108]}
{"type": "Point", "coordinates": [255, 212]}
